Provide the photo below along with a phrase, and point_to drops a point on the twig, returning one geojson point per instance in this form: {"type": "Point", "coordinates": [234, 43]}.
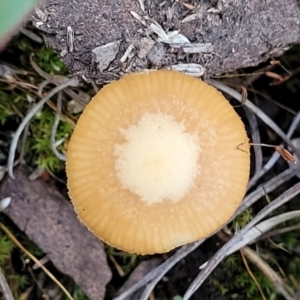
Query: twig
{"type": "Point", "coordinates": [267, 187]}
{"type": "Point", "coordinates": [31, 113]}
{"type": "Point", "coordinates": [4, 287]}
{"type": "Point", "coordinates": [161, 270]}
{"type": "Point", "coordinates": [12, 237]}
{"type": "Point", "coordinates": [54, 129]}
{"type": "Point", "coordinates": [278, 232]}
{"type": "Point", "coordinates": [221, 253]}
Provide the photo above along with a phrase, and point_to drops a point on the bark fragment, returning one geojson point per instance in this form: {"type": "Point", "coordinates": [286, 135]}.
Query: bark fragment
{"type": "Point", "coordinates": [49, 220]}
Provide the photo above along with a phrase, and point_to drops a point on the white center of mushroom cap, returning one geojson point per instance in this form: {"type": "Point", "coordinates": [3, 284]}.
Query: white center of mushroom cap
{"type": "Point", "coordinates": [159, 159]}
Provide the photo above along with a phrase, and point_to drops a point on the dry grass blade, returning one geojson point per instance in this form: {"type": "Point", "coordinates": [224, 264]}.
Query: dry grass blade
{"type": "Point", "coordinates": [25, 121]}
{"type": "Point", "coordinates": [221, 254]}
{"type": "Point", "coordinates": [160, 271]}
{"type": "Point", "coordinates": [280, 286]}
{"type": "Point", "coordinates": [252, 275]}
{"type": "Point", "coordinates": [119, 269]}
{"type": "Point", "coordinates": [12, 237]}
{"type": "Point", "coordinates": [4, 288]}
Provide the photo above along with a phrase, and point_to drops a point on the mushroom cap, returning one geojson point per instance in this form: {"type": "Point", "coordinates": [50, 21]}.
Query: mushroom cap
{"type": "Point", "coordinates": [158, 159]}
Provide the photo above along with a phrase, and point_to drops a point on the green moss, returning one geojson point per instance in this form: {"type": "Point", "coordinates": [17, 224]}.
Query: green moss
{"type": "Point", "coordinates": [38, 142]}
{"type": "Point", "coordinates": [6, 247]}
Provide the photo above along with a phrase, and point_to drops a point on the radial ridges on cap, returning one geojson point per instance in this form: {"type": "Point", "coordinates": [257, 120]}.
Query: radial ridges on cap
{"type": "Point", "coordinates": [154, 163]}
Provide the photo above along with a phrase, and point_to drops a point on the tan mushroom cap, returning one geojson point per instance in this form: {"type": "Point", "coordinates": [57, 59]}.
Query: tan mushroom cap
{"type": "Point", "coordinates": [158, 159]}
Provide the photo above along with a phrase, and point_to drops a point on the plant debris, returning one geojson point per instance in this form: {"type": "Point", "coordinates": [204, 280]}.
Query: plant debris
{"type": "Point", "coordinates": [218, 36]}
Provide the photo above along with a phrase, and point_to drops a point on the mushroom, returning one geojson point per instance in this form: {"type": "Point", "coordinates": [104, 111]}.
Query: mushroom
{"type": "Point", "coordinates": [158, 159]}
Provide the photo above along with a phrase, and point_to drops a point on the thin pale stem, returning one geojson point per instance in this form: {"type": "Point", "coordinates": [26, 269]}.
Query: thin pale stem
{"type": "Point", "coordinates": [59, 155]}
{"type": "Point", "coordinates": [26, 120]}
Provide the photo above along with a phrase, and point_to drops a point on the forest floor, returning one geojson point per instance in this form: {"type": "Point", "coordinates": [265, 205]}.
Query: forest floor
{"type": "Point", "coordinates": [273, 87]}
